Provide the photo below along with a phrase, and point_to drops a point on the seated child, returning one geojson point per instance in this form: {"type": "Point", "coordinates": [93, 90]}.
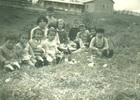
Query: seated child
{"type": "Point", "coordinates": [52, 54]}
{"type": "Point", "coordinates": [42, 24]}
{"type": "Point", "coordinates": [74, 30]}
{"type": "Point", "coordinates": [57, 36]}
{"type": "Point", "coordinates": [24, 51]}
{"type": "Point", "coordinates": [50, 17]}
{"type": "Point", "coordinates": [8, 58]}
{"type": "Point", "coordinates": [63, 36]}
{"type": "Point", "coordinates": [99, 44]}
{"type": "Point", "coordinates": [37, 45]}
{"type": "Point", "coordinates": [82, 38]}
{"type": "Point", "coordinates": [92, 31]}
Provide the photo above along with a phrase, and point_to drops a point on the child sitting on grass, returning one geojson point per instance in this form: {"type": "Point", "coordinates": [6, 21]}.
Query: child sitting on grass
{"type": "Point", "coordinates": [42, 24]}
{"type": "Point", "coordinates": [37, 45]}
{"type": "Point", "coordinates": [92, 31]}
{"type": "Point", "coordinates": [82, 38]}
{"type": "Point", "coordinates": [74, 30]}
{"type": "Point", "coordinates": [24, 51]}
{"type": "Point", "coordinates": [8, 58]}
{"type": "Point", "coordinates": [99, 44]}
{"type": "Point", "coordinates": [63, 36]}
{"type": "Point", "coordinates": [52, 54]}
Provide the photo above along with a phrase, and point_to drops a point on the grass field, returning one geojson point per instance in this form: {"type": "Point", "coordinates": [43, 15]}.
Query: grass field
{"type": "Point", "coordinates": [117, 78]}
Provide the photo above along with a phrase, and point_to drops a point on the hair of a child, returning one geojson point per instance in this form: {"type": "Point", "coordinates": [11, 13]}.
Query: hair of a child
{"type": "Point", "coordinates": [11, 37]}
{"type": "Point", "coordinates": [50, 9]}
{"type": "Point", "coordinates": [100, 30]}
{"type": "Point", "coordinates": [38, 29]}
{"type": "Point", "coordinates": [51, 29]}
{"type": "Point", "coordinates": [24, 33]}
{"type": "Point", "coordinates": [60, 20]}
{"type": "Point", "coordinates": [82, 25]}
{"type": "Point", "coordinates": [51, 24]}
{"type": "Point", "coordinates": [41, 18]}
{"type": "Point", "coordinates": [92, 27]}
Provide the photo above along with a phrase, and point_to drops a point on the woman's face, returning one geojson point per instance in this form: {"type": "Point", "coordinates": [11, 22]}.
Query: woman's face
{"type": "Point", "coordinates": [42, 24]}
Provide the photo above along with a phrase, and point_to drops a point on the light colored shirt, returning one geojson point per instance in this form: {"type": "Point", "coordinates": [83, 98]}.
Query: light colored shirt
{"type": "Point", "coordinates": [51, 20]}
{"type": "Point", "coordinates": [100, 43]}
{"type": "Point", "coordinates": [37, 46]}
{"type": "Point", "coordinates": [24, 53]}
{"type": "Point", "coordinates": [82, 37]}
{"type": "Point", "coordinates": [50, 49]}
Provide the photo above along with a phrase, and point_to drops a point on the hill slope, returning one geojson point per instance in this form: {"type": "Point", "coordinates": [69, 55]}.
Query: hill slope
{"type": "Point", "coordinates": [118, 80]}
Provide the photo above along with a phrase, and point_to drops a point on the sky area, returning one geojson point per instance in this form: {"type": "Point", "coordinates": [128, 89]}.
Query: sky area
{"type": "Point", "coordinates": [133, 5]}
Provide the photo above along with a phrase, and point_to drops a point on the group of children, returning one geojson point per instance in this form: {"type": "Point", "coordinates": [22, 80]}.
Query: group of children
{"type": "Point", "coordinates": [49, 43]}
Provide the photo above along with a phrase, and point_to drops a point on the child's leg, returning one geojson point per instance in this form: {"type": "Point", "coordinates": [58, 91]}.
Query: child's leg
{"type": "Point", "coordinates": [79, 50]}
{"type": "Point", "coordinates": [29, 62]}
{"type": "Point", "coordinates": [45, 61]}
{"type": "Point", "coordinates": [15, 65]}
{"type": "Point", "coordinates": [9, 67]}
{"type": "Point", "coordinates": [110, 53]}
{"type": "Point", "coordinates": [104, 53]}
{"type": "Point", "coordinates": [39, 62]}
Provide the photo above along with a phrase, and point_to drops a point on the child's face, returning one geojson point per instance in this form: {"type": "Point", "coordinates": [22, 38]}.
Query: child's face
{"type": "Point", "coordinates": [60, 25]}
{"type": "Point", "coordinates": [23, 39]}
{"type": "Point", "coordinates": [50, 13]}
{"type": "Point", "coordinates": [42, 23]}
{"type": "Point", "coordinates": [38, 35]}
{"type": "Point", "coordinates": [99, 34]}
{"type": "Point", "coordinates": [51, 35]}
{"type": "Point", "coordinates": [82, 28]}
{"type": "Point", "coordinates": [10, 44]}
{"type": "Point", "coordinates": [76, 24]}
{"type": "Point", "coordinates": [93, 32]}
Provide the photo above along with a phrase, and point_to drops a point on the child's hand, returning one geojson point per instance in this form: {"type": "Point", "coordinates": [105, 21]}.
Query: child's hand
{"type": "Point", "coordinates": [38, 50]}
{"type": "Point", "coordinates": [58, 52]}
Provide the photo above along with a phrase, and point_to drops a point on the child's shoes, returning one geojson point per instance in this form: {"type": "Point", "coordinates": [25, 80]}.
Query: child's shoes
{"type": "Point", "coordinates": [9, 68]}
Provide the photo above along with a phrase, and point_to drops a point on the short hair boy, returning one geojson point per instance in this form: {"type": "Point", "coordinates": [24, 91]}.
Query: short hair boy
{"type": "Point", "coordinates": [99, 44]}
{"type": "Point", "coordinates": [50, 17]}
{"type": "Point", "coordinates": [8, 58]}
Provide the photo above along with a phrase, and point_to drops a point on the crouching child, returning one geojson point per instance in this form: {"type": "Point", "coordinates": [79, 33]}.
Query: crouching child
{"type": "Point", "coordinates": [24, 51]}
{"type": "Point", "coordinates": [8, 57]}
{"type": "Point", "coordinates": [52, 54]}
{"type": "Point", "coordinates": [99, 44]}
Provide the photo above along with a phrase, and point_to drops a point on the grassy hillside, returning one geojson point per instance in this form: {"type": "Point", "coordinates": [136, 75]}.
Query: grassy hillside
{"type": "Point", "coordinates": [118, 80]}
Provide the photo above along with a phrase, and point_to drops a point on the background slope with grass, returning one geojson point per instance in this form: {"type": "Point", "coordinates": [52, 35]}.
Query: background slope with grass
{"type": "Point", "coordinates": [119, 80]}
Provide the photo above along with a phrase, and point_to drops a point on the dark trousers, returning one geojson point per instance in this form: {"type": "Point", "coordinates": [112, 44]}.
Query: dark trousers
{"type": "Point", "coordinates": [108, 53]}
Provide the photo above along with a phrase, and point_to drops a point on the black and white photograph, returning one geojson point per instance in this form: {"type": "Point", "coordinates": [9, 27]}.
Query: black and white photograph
{"type": "Point", "coordinates": [69, 49]}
